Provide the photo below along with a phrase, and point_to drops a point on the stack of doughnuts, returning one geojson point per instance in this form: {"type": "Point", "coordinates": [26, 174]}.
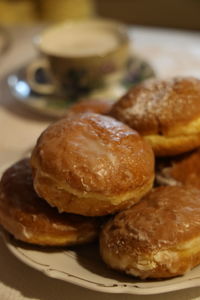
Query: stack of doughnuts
{"type": "Point", "coordinates": [29, 217]}
{"type": "Point", "coordinates": [139, 241]}
{"type": "Point", "coordinates": [83, 167]}
{"type": "Point", "coordinates": [100, 161]}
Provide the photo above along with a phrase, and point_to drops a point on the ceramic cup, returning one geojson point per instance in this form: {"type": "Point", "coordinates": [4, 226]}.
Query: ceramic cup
{"type": "Point", "coordinates": [79, 56]}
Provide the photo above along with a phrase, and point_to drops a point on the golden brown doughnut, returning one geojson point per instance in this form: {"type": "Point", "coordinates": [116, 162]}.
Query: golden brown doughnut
{"type": "Point", "coordinates": [30, 219]}
{"type": "Point", "coordinates": [97, 106]}
{"type": "Point", "coordinates": [92, 165]}
{"type": "Point", "coordinates": [159, 237]}
{"type": "Point", "coordinates": [165, 112]}
{"type": "Point", "coordinates": [181, 170]}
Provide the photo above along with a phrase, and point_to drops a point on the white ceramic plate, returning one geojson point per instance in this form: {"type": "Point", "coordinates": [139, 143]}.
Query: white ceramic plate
{"type": "Point", "coordinates": [83, 266]}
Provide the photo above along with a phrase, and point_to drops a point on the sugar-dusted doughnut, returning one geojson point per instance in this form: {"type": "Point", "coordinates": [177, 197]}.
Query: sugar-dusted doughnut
{"type": "Point", "coordinates": [30, 219]}
{"type": "Point", "coordinates": [159, 237]}
{"type": "Point", "coordinates": [92, 165]}
{"type": "Point", "coordinates": [165, 112]}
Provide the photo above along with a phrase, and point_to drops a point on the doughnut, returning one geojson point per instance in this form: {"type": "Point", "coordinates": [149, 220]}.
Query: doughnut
{"type": "Point", "coordinates": [97, 106]}
{"type": "Point", "coordinates": [159, 237]}
{"type": "Point", "coordinates": [30, 219]}
{"type": "Point", "coordinates": [180, 170]}
{"type": "Point", "coordinates": [165, 112]}
{"type": "Point", "coordinates": [92, 165]}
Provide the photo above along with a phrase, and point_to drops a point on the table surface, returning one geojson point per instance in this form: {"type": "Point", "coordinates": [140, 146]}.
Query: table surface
{"type": "Point", "coordinates": [171, 53]}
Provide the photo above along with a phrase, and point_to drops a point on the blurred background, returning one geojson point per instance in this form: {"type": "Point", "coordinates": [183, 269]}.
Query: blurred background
{"type": "Point", "coordinates": [166, 13]}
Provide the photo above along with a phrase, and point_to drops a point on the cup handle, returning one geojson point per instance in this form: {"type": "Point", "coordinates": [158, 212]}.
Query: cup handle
{"type": "Point", "coordinates": [40, 87]}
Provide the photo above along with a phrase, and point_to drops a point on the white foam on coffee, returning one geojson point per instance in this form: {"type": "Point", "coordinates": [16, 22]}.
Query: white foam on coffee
{"type": "Point", "coordinates": [80, 40]}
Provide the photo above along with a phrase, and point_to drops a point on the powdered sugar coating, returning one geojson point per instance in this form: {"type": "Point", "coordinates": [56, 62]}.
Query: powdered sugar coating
{"type": "Point", "coordinates": [166, 217]}
{"type": "Point", "coordinates": [94, 153]}
{"type": "Point", "coordinates": [156, 106]}
{"type": "Point", "coordinates": [158, 237]}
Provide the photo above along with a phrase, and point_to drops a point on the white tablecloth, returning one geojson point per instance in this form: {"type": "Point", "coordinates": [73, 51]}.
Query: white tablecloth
{"type": "Point", "coordinates": [170, 53]}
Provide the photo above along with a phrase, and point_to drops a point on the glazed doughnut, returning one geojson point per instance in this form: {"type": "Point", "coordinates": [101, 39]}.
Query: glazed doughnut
{"type": "Point", "coordinates": [97, 106]}
{"type": "Point", "coordinates": [92, 165]}
{"type": "Point", "coordinates": [30, 219]}
{"type": "Point", "coordinates": [165, 112]}
{"type": "Point", "coordinates": [181, 170]}
{"type": "Point", "coordinates": [159, 237]}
